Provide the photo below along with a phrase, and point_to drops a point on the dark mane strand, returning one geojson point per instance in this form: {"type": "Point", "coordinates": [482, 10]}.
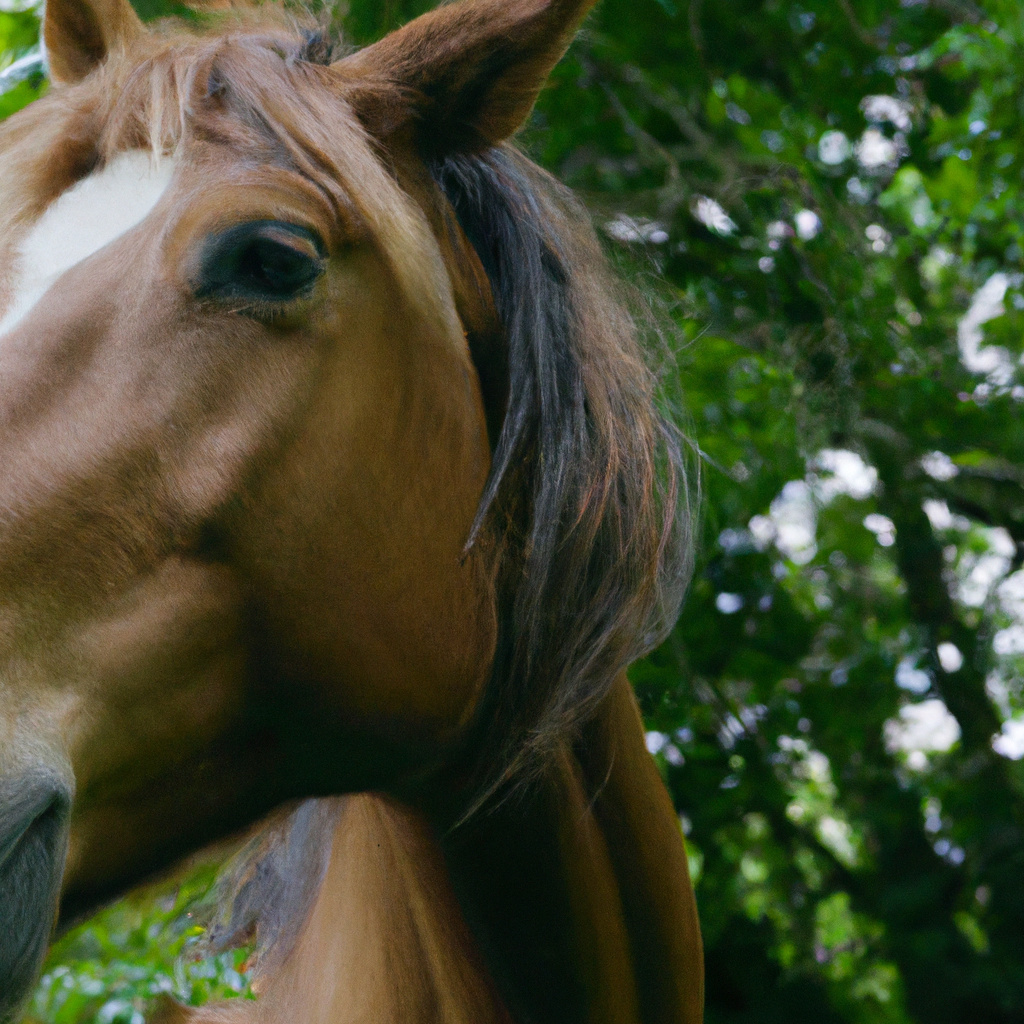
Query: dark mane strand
{"type": "Point", "coordinates": [587, 500]}
{"type": "Point", "coordinates": [318, 47]}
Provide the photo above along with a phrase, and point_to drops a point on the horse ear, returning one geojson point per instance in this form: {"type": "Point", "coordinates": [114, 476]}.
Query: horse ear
{"type": "Point", "coordinates": [464, 76]}
{"type": "Point", "coordinates": [79, 34]}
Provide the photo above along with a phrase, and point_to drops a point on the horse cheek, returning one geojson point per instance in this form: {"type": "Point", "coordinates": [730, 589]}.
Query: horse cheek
{"type": "Point", "coordinates": [355, 548]}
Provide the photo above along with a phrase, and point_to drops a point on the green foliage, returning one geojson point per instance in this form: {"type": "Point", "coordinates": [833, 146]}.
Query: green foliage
{"type": "Point", "coordinates": [115, 966]}
{"type": "Point", "coordinates": [832, 191]}
{"type": "Point", "coordinates": [19, 33]}
{"type": "Point", "coordinates": [829, 188]}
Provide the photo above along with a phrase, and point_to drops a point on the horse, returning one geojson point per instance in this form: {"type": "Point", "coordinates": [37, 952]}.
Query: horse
{"type": "Point", "coordinates": [332, 471]}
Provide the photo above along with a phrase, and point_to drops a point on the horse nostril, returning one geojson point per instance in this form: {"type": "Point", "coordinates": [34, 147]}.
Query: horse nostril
{"type": "Point", "coordinates": [33, 843]}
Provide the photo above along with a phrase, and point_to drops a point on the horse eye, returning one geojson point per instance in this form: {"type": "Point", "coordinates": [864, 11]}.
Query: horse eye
{"type": "Point", "coordinates": [261, 260]}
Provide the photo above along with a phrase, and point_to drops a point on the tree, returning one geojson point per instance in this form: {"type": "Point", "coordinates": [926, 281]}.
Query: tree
{"type": "Point", "coordinates": [830, 196]}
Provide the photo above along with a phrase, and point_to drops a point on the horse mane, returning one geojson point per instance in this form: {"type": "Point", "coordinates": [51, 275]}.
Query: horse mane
{"type": "Point", "coordinates": [587, 497]}
{"type": "Point", "coordinates": [264, 892]}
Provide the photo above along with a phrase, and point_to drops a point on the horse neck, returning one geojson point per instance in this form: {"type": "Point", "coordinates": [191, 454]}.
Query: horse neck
{"type": "Point", "coordinates": [563, 908]}
{"type": "Point", "coordinates": [645, 844]}
{"type": "Point", "coordinates": [385, 941]}
{"type": "Point", "coordinates": [579, 895]}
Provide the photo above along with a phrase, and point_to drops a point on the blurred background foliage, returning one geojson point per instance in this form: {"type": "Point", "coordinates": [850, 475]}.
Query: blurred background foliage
{"type": "Point", "coordinates": [826, 197]}
{"type": "Point", "coordinates": [137, 953]}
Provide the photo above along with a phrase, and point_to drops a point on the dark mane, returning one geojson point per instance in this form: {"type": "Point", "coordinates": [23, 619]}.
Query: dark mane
{"type": "Point", "coordinates": [586, 500]}
{"type": "Point", "coordinates": [319, 47]}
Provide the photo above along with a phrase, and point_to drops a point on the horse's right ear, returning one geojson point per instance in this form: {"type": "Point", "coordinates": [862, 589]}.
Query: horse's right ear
{"type": "Point", "coordinates": [464, 76]}
{"type": "Point", "coordinates": [79, 35]}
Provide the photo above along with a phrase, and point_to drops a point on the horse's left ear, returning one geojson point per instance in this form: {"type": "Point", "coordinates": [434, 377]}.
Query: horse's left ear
{"type": "Point", "coordinates": [462, 77]}
{"type": "Point", "coordinates": [80, 34]}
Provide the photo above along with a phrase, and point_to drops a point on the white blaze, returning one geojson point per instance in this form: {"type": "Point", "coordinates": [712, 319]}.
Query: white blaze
{"type": "Point", "coordinates": [91, 214]}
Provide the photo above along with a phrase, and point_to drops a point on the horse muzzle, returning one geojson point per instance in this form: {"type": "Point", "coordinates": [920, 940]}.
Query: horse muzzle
{"type": "Point", "coordinates": [34, 811]}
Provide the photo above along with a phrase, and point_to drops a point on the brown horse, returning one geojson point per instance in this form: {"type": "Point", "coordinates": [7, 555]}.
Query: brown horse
{"type": "Point", "coordinates": [330, 465]}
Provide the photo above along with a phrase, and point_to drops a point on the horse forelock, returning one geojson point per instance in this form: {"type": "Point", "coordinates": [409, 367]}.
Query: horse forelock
{"type": "Point", "coordinates": [264, 88]}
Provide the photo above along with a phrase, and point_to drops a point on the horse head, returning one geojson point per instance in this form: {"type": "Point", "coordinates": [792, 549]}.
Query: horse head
{"type": "Point", "coordinates": [296, 496]}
